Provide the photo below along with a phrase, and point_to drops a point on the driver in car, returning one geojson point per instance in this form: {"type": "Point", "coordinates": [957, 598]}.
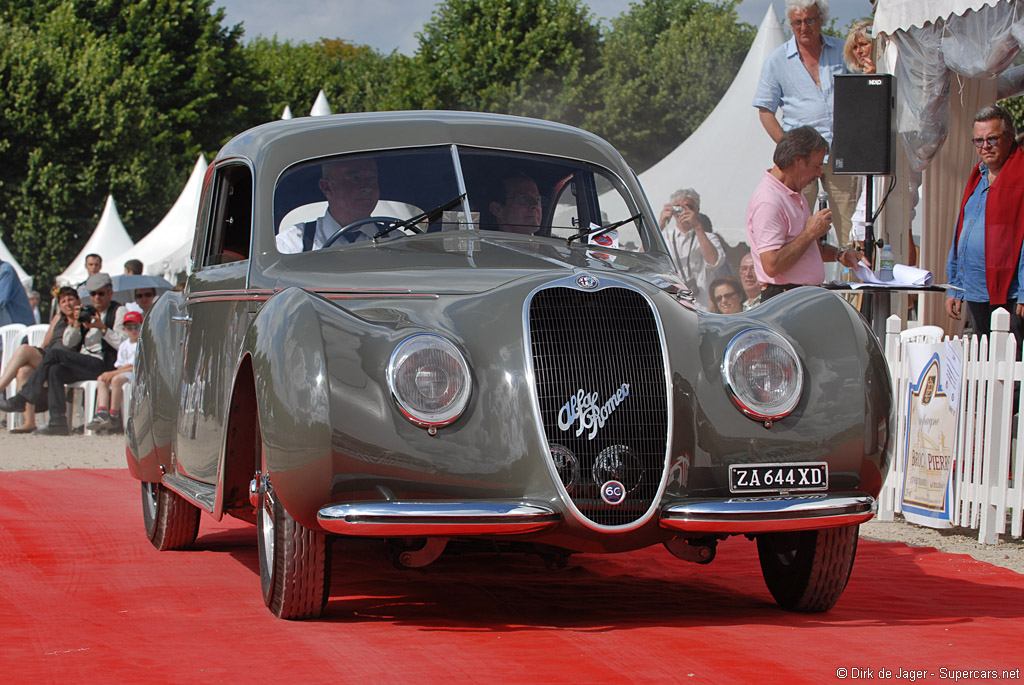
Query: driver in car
{"type": "Point", "coordinates": [352, 192]}
{"type": "Point", "coordinates": [519, 210]}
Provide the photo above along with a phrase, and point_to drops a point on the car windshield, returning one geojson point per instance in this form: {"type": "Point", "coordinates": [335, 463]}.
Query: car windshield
{"type": "Point", "coordinates": [346, 200]}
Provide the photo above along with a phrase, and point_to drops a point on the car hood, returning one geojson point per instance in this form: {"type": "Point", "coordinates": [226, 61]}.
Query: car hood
{"type": "Point", "coordinates": [454, 263]}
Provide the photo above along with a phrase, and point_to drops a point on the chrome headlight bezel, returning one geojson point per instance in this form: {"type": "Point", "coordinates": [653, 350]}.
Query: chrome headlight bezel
{"type": "Point", "coordinates": [417, 365]}
{"type": "Point", "coordinates": [780, 371]}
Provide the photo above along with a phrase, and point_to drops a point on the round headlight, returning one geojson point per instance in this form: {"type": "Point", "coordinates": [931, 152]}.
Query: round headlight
{"type": "Point", "coordinates": [763, 374]}
{"type": "Point", "coordinates": [429, 378]}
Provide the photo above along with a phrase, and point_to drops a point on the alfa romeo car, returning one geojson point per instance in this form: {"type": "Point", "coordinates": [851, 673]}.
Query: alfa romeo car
{"type": "Point", "coordinates": [441, 328]}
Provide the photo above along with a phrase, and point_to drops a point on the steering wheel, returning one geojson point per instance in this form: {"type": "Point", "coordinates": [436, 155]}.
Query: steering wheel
{"type": "Point", "coordinates": [356, 224]}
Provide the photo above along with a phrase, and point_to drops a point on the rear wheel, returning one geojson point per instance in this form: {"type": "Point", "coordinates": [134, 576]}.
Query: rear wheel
{"type": "Point", "coordinates": [295, 563]}
{"type": "Point", "coordinates": [808, 570]}
{"type": "Point", "coordinates": [171, 521]}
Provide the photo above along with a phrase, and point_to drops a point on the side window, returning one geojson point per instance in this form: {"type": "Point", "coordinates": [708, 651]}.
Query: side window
{"type": "Point", "coordinates": [230, 230]}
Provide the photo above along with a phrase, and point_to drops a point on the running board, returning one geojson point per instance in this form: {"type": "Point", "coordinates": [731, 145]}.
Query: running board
{"type": "Point", "coordinates": [202, 495]}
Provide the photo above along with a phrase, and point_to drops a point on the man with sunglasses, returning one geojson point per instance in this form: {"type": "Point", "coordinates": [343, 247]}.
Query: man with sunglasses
{"type": "Point", "coordinates": [96, 331]}
{"type": "Point", "coordinates": [798, 78]}
{"type": "Point", "coordinates": [985, 259]}
{"type": "Point", "coordinates": [696, 251]}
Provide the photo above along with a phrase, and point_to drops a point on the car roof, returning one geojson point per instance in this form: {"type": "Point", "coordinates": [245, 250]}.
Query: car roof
{"type": "Point", "coordinates": [272, 147]}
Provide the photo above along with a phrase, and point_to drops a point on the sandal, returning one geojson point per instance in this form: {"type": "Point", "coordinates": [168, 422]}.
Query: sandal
{"type": "Point", "coordinates": [22, 429]}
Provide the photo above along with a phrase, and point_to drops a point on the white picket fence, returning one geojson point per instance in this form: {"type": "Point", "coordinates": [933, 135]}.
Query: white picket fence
{"type": "Point", "coordinates": [988, 473]}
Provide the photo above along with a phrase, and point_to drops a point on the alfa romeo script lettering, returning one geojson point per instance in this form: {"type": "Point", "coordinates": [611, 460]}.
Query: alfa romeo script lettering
{"type": "Point", "coordinates": [583, 408]}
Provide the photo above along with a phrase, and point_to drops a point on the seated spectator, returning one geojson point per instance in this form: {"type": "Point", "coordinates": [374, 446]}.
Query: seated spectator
{"type": "Point", "coordinates": [26, 358]}
{"type": "Point", "coordinates": [726, 296]}
{"type": "Point", "coordinates": [520, 206]}
{"type": "Point", "coordinates": [110, 384]}
{"type": "Point", "coordinates": [751, 286]}
{"type": "Point", "coordinates": [696, 251]}
{"type": "Point", "coordinates": [352, 191]}
{"type": "Point", "coordinates": [98, 337]}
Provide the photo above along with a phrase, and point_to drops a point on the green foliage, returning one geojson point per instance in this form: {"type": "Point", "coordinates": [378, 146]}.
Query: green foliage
{"type": "Point", "coordinates": [665, 64]}
{"type": "Point", "coordinates": [109, 97]}
{"type": "Point", "coordinates": [526, 57]}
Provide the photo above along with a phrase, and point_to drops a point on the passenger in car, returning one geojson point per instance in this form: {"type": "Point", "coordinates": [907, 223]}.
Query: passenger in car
{"type": "Point", "coordinates": [352, 192]}
{"type": "Point", "coordinates": [520, 206]}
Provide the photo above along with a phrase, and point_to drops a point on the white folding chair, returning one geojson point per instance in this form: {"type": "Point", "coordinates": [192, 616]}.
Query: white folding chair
{"type": "Point", "coordinates": [86, 391]}
{"type": "Point", "coordinates": [923, 334]}
{"type": "Point", "coordinates": [36, 333]}
{"type": "Point", "coordinates": [11, 335]}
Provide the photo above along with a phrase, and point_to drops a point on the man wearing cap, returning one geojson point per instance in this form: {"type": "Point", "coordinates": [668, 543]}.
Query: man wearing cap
{"type": "Point", "coordinates": [100, 335]}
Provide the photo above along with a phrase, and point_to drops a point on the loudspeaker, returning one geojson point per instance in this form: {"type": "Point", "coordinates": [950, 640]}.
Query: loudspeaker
{"type": "Point", "coordinates": [862, 127]}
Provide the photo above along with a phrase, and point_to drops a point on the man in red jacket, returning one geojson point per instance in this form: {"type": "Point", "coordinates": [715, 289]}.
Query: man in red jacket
{"type": "Point", "coordinates": [985, 258]}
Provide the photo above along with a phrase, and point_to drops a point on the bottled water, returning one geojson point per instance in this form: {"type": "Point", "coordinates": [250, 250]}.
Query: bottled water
{"type": "Point", "coordinates": [885, 264]}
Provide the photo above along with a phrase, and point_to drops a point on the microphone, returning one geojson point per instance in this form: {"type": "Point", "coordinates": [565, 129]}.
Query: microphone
{"type": "Point", "coordinates": [822, 204]}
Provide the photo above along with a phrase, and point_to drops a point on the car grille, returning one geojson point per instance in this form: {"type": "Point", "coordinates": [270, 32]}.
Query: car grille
{"type": "Point", "coordinates": [605, 344]}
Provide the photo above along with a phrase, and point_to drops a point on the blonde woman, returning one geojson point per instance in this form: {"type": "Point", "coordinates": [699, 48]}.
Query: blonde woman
{"type": "Point", "coordinates": [857, 52]}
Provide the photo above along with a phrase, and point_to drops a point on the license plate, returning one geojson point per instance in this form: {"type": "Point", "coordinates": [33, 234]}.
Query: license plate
{"type": "Point", "coordinates": [806, 476]}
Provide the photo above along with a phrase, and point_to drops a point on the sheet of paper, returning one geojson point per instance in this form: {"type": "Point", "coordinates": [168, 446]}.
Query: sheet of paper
{"type": "Point", "coordinates": [902, 276]}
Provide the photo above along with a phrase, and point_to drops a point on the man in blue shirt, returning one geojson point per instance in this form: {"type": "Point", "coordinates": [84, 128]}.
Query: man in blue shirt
{"type": "Point", "coordinates": [984, 261]}
{"type": "Point", "coordinates": [798, 77]}
{"type": "Point", "coordinates": [14, 306]}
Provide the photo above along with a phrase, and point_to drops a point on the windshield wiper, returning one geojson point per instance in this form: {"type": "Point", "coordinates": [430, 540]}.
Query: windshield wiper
{"type": "Point", "coordinates": [600, 230]}
{"type": "Point", "coordinates": [430, 215]}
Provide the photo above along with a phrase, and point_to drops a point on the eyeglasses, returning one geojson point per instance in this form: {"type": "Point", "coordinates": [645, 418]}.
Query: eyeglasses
{"type": "Point", "coordinates": [150, 294]}
{"type": "Point", "coordinates": [132, 326]}
{"type": "Point", "coordinates": [100, 293]}
{"type": "Point", "coordinates": [526, 200]}
{"type": "Point", "coordinates": [810, 22]}
{"type": "Point", "coordinates": [991, 141]}
{"type": "Point", "coordinates": [725, 296]}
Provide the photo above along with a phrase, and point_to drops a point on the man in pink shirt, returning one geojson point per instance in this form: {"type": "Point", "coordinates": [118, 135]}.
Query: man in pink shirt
{"type": "Point", "coordinates": [782, 232]}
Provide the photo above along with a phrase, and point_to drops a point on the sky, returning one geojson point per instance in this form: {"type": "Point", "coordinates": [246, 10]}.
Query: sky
{"type": "Point", "coordinates": [388, 25]}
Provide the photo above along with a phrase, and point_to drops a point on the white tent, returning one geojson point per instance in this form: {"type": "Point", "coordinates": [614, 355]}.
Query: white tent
{"type": "Point", "coordinates": [726, 157]}
{"type": "Point", "coordinates": [160, 251]}
{"type": "Point", "coordinates": [321, 107]}
{"type": "Point", "coordinates": [6, 256]}
{"type": "Point", "coordinates": [108, 239]}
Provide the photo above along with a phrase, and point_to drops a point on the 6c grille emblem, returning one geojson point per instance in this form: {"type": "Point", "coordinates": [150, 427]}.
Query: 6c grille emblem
{"type": "Point", "coordinates": [586, 281]}
{"type": "Point", "coordinates": [613, 492]}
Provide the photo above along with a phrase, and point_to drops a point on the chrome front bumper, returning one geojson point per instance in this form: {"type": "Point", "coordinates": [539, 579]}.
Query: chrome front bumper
{"type": "Point", "coordinates": [415, 519]}
{"type": "Point", "coordinates": [774, 513]}
{"type": "Point", "coordinates": [768, 514]}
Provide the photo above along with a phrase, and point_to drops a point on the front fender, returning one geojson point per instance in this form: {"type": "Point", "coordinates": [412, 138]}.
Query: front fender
{"type": "Point", "coordinates": [844, 415]}
{"type": "Point", "coordinates": [301, 346]}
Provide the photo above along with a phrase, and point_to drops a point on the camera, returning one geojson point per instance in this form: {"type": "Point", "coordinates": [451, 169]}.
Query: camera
{"type": "Point", "coordinates": [677, 209]}
{"type": "Point", "coordinates": [86, 313]}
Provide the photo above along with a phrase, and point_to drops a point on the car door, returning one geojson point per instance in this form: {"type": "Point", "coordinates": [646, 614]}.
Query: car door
{"type": "Point", "coordinates": [218, 310]}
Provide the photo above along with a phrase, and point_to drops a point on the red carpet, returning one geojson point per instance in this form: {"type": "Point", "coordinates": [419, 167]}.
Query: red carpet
{"type": "Point", "coordinates": [84, 596]}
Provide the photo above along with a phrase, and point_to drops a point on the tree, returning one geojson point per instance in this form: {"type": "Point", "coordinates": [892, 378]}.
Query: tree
{"type": "Point", "coordinates": [355, 78]}
{"type": "Point", "coordinates": [527, 57]}
{"type": "Point", "coordinates": [665, 64]}
{"type": "Point", "coordinates": [108, 97]}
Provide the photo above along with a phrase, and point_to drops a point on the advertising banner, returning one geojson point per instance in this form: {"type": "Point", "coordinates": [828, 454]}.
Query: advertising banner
{"type": "Point", "coordinates": [931, 431]}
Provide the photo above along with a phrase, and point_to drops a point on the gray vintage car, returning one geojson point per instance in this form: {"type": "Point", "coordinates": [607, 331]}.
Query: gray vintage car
{"type": "Point", "coordinates": [434, 327]}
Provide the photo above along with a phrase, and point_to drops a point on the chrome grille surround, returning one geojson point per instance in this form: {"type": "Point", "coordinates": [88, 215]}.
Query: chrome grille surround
{"type": "Point", "coordinates": [607, 344]}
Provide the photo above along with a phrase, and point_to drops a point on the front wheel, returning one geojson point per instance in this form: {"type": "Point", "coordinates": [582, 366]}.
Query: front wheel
{"type": "Point", "coordinates": [295, 563]}
{"type": "Point", "coordinates": [171, 521]}
{"type": "Point", "coordinates": [808, 570]}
